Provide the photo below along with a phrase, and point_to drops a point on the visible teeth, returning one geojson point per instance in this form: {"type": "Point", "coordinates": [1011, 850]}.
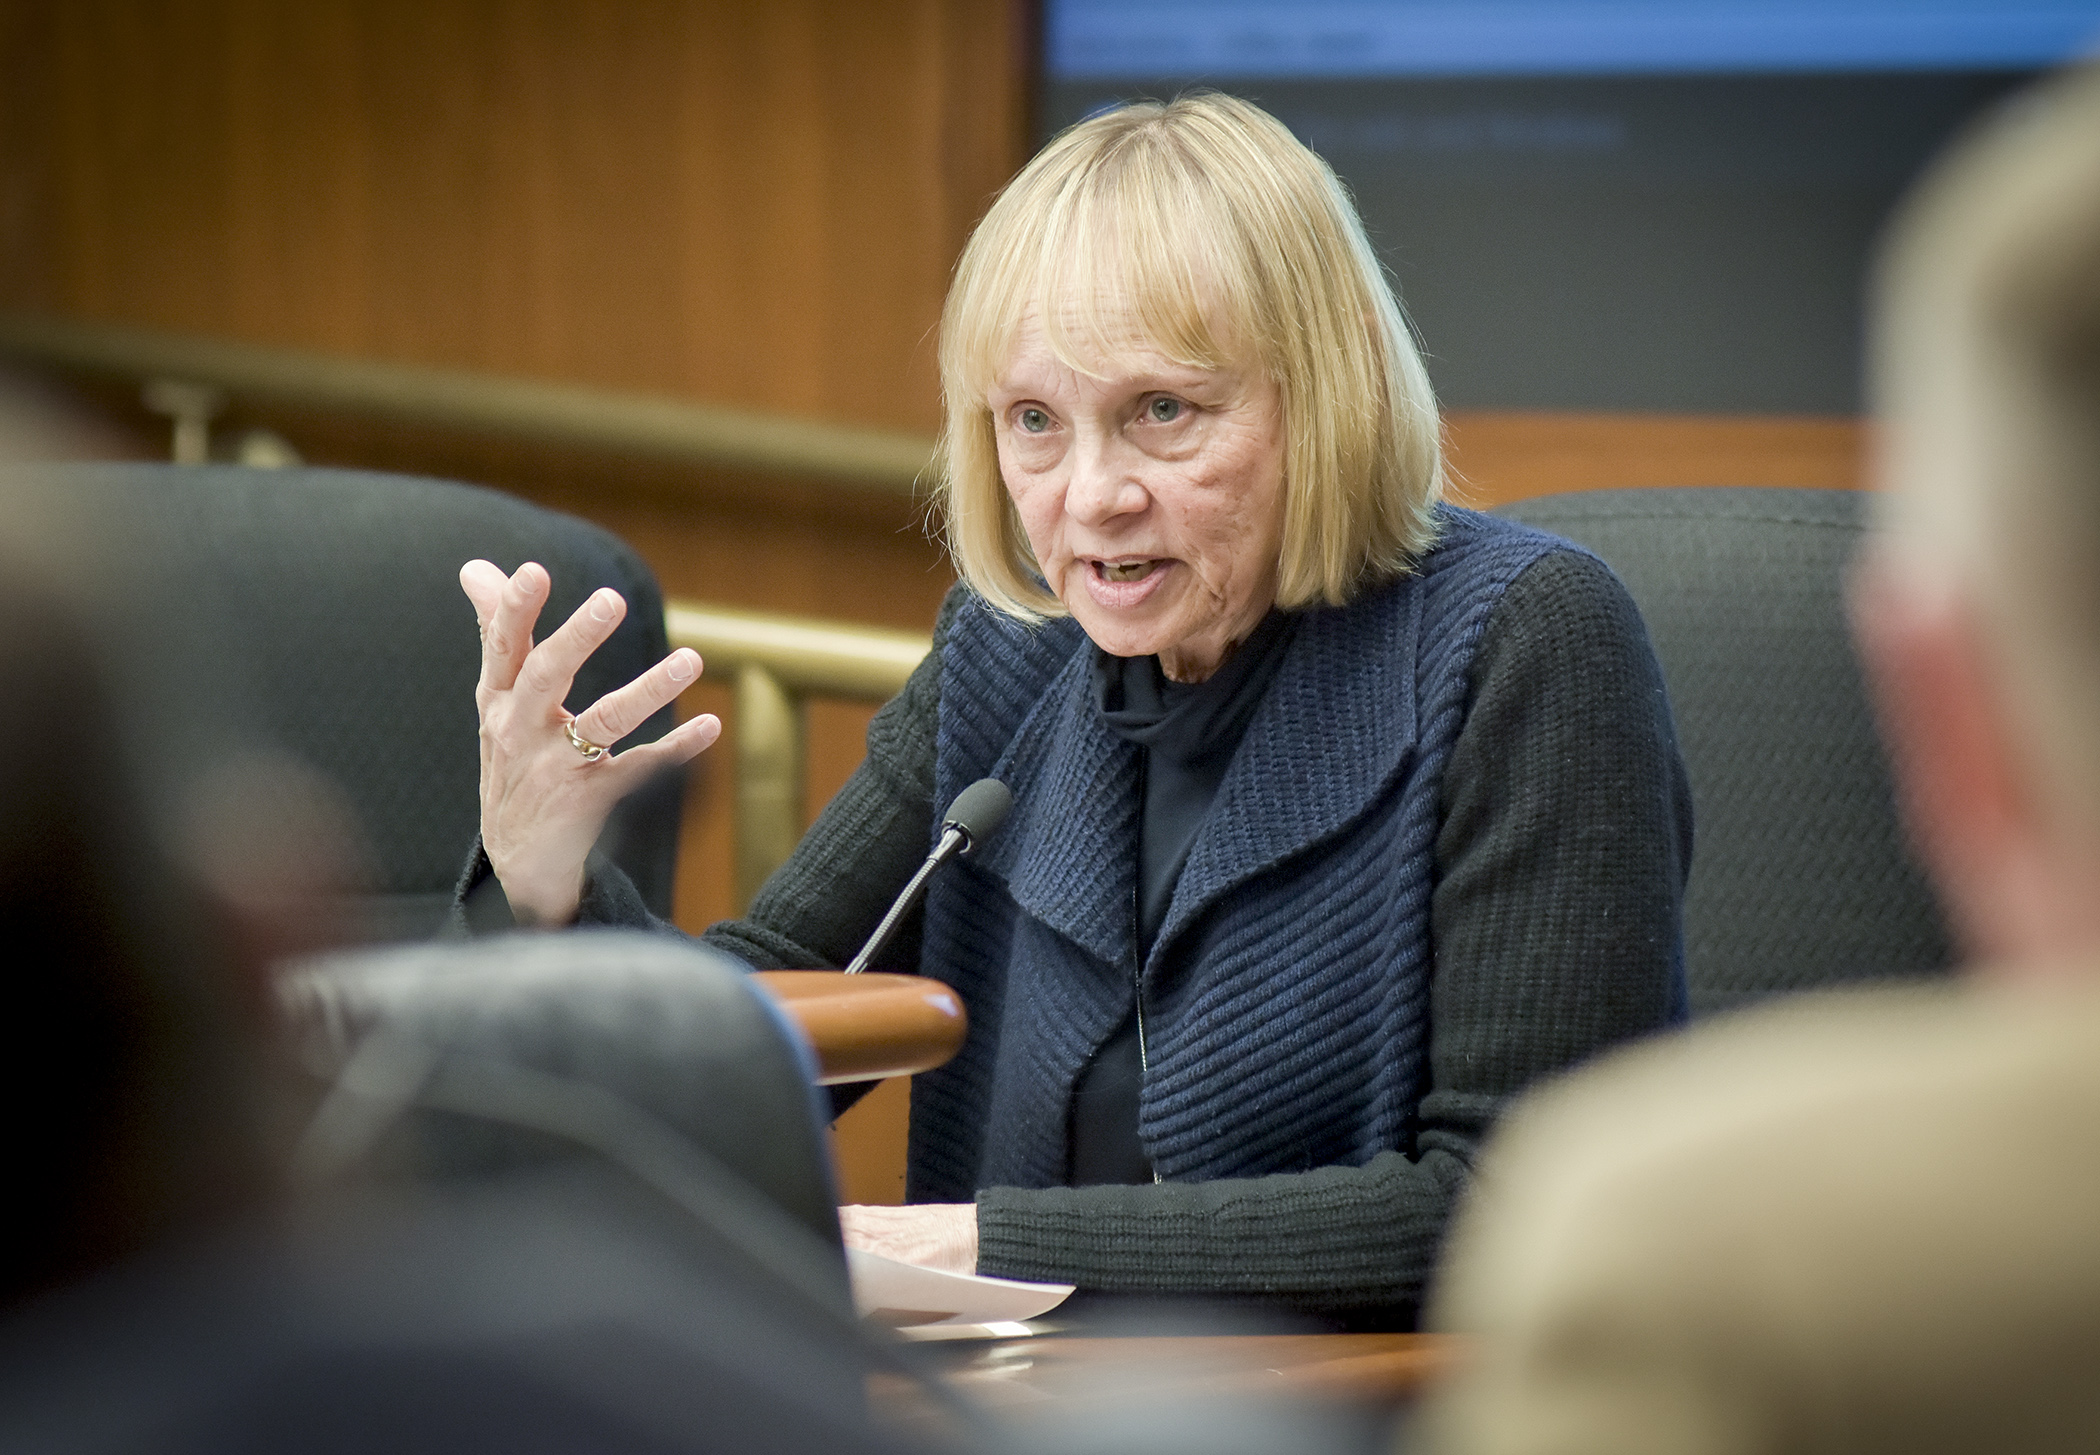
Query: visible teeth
{"type": "Point", "coordinates": [1135, 571]}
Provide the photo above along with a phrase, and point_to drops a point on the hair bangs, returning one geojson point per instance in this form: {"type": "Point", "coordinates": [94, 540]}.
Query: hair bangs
{"type": "Point", "coordinates": [1136, 267]}
{"type": "Point", "coordinates": [1120, 263]}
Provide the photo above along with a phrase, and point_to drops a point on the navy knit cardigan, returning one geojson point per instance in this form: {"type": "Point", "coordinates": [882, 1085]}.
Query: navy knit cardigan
{"type": "Point", "coordinates": [1286, 999]}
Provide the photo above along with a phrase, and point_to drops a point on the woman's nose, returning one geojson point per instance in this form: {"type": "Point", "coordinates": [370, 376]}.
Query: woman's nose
{"type": "Point", "coordinates": [1102, 488]}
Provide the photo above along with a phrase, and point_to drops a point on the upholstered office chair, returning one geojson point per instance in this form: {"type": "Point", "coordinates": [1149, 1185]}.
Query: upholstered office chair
{"type": "Point", "coordinates": [1800, 876]}
{"type": "Point", "coordinates": [632, 1052]}
{"type": "Point", "coordinates": [317, 613]}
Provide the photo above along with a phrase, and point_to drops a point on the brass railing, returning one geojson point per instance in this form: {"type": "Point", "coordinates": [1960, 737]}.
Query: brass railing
{"type": "Point", "coordinates": [777, 661]}
{"type": "Point", "coordinates": [191, 379]}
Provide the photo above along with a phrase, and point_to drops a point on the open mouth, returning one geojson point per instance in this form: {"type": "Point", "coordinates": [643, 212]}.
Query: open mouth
{"type": "Point", "coordinates": [1125, 570]}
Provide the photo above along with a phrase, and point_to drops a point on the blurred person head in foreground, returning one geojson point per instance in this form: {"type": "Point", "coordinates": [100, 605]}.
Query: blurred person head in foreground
{"type": "Point", "coordinates": [1866, 1222]}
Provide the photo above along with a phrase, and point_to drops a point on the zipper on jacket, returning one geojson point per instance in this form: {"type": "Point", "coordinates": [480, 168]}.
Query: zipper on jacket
{"type": "Point", "coordinates": [1137, 957]}
{"type": "Point", "coordinates": [1137, 990]}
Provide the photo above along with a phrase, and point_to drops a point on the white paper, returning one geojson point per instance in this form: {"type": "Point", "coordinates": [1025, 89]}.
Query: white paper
{"type": "Point", "coordinates": [906, 1295]}
{"type": "Point", "coordinates": [959, 1333]}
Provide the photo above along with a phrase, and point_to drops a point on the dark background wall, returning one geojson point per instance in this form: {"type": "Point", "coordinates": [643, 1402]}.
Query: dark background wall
{"type": "Point", "coordinates": [1689, 244]}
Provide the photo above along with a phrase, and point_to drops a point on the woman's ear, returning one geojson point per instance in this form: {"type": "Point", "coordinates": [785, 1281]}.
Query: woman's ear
{"type": "Point", "coordinates": [1974, 797]}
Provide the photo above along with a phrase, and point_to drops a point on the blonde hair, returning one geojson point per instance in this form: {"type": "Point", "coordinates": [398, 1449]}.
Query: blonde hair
{"type": "Point", "coordinates": [1986, 375]}
{"type": "Point", "coordinates": [1229, 243]}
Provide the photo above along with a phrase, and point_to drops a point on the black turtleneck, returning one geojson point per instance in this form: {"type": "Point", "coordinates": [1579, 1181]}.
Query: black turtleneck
{"type": "Point", "coordinates": [1187, 733]}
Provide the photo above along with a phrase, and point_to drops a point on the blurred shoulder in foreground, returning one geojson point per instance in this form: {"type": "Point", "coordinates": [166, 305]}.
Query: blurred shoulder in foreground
{"type": "Point", "coordinates": [1856, 1221]}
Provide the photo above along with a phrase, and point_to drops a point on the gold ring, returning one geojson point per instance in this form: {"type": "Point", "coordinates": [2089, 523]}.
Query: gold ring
{"type": "Point", "coordinates": [591, 751]}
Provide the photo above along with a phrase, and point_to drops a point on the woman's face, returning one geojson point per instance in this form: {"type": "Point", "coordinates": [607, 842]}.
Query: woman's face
{"type": "Point", "coordinates": [1153, 497]}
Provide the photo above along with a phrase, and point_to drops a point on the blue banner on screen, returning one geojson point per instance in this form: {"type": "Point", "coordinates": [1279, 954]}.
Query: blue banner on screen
{"type": "Point", "coordinates": [1231, 39]}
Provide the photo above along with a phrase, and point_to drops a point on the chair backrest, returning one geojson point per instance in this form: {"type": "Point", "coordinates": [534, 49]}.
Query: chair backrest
{"type": "Point", "coordinates": [317, 613]}
{"type": "Point", "coordinates": [1800, 875]}
{"type": "Point", "coordinates": [596, 1029]}
{"type": "Point", "coordinates": [564, 1192]}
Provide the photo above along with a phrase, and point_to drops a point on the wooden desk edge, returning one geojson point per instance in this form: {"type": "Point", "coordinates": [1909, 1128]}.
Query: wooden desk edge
{"type": "Point", "coordinates": [1023, 1377]}
{"type": "Point", "coordinates": [868, 1027]}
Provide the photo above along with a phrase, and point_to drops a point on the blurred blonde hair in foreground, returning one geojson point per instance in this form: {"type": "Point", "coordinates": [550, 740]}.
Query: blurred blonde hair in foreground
{"type": "Point", "coordinates": [1203, 224]}
{"type": "Point", "coordinates": [1986, 369]}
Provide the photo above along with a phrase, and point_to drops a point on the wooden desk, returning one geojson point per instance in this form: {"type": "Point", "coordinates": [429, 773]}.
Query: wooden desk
{"type": "Point", "coordinates": [1017, 1378]}
{"type": "Point", "coordinates": [866, 1027]}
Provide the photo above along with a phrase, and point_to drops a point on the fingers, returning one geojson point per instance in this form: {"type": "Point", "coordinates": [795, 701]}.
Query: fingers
{"type": "Point", "coordinates": [616, 714]}
{"type": "Point", "coordinates": [483, 581]}
{"type": "Point", "coordinates": [506, 607]}
{"type": "Point", "coordinates": [550, 668]}
{"type": "Point", "coordinates": [688, 740]}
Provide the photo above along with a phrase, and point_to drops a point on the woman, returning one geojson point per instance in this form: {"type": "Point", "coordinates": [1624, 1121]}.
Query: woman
{"type": "Point", "coordinates": [1339, 814]}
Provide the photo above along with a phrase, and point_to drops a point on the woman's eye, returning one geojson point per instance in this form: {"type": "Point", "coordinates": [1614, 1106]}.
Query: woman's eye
{"type": "Point", "coordinates": [1032, 421]}
{"type": "Point", "coordinates": [1164, 410]}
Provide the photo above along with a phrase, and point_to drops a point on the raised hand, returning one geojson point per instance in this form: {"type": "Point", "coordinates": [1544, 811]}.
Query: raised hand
{"type": "Point", "coordinates": [548, 781]}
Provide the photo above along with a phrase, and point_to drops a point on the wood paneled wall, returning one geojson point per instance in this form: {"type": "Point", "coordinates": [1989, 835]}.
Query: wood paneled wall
{"type": "Point", "coordinates": [750, 202]}
{"type": "Point", "coordinates": [746, 201]}
{"type": "Point", "coordinates": [1501, 457]}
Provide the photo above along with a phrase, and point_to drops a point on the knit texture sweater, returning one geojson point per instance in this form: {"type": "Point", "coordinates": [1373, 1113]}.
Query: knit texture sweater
{"type": "Point", "coordinates": [1503, 919]}
{"type": "Point", "coordinates": [1289, 1032]}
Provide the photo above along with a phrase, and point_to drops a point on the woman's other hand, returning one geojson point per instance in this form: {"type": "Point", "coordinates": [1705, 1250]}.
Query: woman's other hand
{"type": "Point", "coordinates": [939, 1235]}
{"type": "Point", "coordinates": [543, 801]}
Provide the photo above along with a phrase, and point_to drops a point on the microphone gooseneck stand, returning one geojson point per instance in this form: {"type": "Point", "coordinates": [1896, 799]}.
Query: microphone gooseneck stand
{"type": "Point", "coordinates": [970, 820]}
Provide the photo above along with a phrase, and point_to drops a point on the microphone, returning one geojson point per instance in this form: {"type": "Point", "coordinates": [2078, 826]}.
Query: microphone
{"type": "Point", "coordinates": [970, 820]}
